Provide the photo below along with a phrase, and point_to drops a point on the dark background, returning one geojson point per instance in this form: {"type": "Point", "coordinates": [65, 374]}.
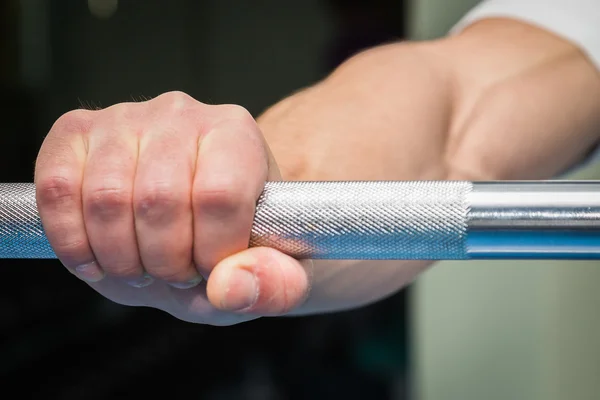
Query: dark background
{"type": "Point", "coordinates": [61, 340]}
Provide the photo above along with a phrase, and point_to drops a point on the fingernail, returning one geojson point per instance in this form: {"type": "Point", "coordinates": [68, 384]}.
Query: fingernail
{"type": "Point", "coordinates": [187, 285]}
{"type": "Point", "coordinates": [142, 282]}
{"type": "Point", "coordinates": [241, 292]}
{"type": "Point", "coordinates": [89, 272]}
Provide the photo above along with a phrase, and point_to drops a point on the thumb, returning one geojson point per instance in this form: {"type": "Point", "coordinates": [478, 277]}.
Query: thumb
{"type": "Point", "coordinates": [259, 281]}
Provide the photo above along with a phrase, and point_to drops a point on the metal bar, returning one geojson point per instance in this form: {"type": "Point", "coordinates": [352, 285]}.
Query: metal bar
{"type": "Point", "coordinates": [549, 220]}
{"type": "Point", "coordinates": [431, 220]}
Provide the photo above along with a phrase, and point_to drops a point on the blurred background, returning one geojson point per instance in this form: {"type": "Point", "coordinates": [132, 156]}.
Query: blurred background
{"type": "Point", "coordinates": [463, 331]}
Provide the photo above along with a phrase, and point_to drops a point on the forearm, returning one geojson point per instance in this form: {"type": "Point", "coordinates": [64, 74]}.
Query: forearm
{"type": "Point", "coordinates": [516, 82]}
{"type": "Point", "coordinates": [361, 120]}
{"type": "Point", "coordinates": [359, 124]}
{"type": "Point", "coordinates": [500, 101]}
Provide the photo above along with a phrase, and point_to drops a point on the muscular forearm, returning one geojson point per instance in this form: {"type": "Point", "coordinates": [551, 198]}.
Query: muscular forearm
{"type": "Point", "coordinates": [499, 81]}
{"type": "Point", "coordinates": [380, 116]}
{"type": "Point", "coordinates": [502, 100]}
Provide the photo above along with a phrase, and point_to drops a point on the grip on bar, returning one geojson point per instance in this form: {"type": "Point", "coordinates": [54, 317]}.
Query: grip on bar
{"type": "Point", "coordinates": [320, 220]}
{"type": "Point", "coordinates": [428, 220]}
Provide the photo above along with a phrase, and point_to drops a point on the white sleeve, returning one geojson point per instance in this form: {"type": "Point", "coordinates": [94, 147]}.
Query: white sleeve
{"type": "Point", "coordinates": [575, 20]}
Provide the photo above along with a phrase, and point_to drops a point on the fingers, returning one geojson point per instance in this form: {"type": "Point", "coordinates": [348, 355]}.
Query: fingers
{"type": "Point", "coordinates": [162, 202]}
{"type": "Point", "coordinates": [107, 197]}
{"type": "Point", "coordinates": [164, 189]}
{"type": "Point", "coordinates": [231, 170]}
{"type": "Point", "coordinates": [260, 281]}
{"type": "Point", "coordinates": [58, 180]}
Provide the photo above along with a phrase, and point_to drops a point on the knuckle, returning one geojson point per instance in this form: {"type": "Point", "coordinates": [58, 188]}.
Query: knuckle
{"type": "Point", "coordinates": [73, 122]}
{"type": "Point", "coordinates": [177, 100]}
{"type": "Point", "coordinates": [126, 113]}
{"type": "Point", "coordinates": [107, 202]}
{"type": "Point", "coordinates": [56, 190]}
{"type": "Point", "coordinates": [222, 199]}
{"type": "Point", "coordinates": [157, 203]}
{"type": "Point", "coordinates": [237, 113]}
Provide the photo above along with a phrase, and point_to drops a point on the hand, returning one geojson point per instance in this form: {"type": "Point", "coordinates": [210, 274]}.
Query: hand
{"type": "Point", "coordinates": [144, 200]}
{"type": "Point", "coordinates": [488, 104]}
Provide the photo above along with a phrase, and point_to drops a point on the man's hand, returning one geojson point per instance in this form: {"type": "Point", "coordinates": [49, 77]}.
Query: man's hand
{"type": "Point", "coordinates": [168, 187]}
{"type": "Point", "coordinates": [143, 200]}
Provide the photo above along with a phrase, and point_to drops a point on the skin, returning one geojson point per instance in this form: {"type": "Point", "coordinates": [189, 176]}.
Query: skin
{"type": "Point", "coordinates": [143, 200]}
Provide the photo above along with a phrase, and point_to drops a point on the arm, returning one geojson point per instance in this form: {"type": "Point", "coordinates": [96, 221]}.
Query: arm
{"type": "Point", "coordinates": [501, 100]}
{"type": "Point", "coordinates": [152, 203]}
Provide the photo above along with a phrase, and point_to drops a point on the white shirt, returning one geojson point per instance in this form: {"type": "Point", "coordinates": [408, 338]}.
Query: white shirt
{"type": "Point", "coordinates": [575, 20]}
